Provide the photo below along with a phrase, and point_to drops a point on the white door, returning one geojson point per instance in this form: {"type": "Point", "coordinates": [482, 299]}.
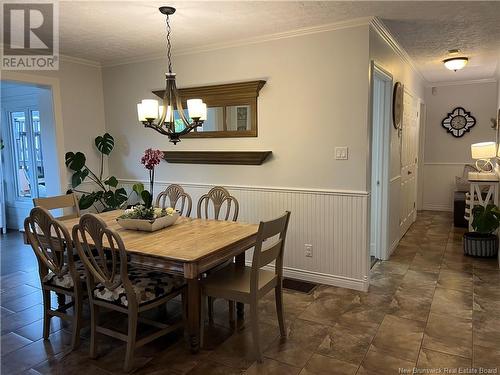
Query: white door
{"type": "Point", "coordinates": [381, 107]}
{"type": "Point", "coordinates": [409, 162]}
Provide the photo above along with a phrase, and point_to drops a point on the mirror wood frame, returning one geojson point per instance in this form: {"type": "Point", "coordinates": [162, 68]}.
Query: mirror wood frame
{"type": "Point", "coordinates": [224, 95]}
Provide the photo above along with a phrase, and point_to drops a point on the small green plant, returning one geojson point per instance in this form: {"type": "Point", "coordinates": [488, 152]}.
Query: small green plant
{"type": "Point", "coordinates": [143, 195]}
{"type": "Point", "coordinates": [147, 213]}
{"type": "Point", "coordinates": [485, 220]}
{"type": "Point", "coordinates": [107, 197]}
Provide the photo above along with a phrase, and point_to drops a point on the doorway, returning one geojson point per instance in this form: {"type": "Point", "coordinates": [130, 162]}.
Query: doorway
{"type": "Point", "coordinates": [380, 146]}
{"type": "Point", "coordinates": [29, 165]}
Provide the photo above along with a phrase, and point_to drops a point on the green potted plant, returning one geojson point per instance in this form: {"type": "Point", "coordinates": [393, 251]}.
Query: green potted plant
{"type": "Point", "coordinates": [105, 195]}
{"type": "Point", "coordinates": [483, 241]}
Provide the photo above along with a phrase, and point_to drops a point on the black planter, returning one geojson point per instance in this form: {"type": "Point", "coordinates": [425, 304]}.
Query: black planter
{"type": "Point", "coordinates": [480, 245]}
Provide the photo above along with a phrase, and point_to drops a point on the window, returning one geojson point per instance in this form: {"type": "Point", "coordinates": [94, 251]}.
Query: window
{"type": "Point", "coordinates": [28, 159]}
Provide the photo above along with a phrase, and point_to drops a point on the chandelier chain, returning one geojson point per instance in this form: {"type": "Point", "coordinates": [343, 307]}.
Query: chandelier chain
{"type": "Point", "coordinates": [169, 52]}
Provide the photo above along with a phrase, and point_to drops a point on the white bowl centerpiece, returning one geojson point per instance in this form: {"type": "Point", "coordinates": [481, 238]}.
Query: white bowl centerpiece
{"type": "Point", "coordinates": [147, 219]}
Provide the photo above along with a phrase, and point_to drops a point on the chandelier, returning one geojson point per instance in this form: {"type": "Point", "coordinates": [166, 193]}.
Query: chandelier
{"type": "Point", "coordinates": [162, 118]}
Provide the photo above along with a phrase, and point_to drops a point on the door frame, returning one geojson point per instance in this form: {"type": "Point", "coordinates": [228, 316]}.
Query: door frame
{"type": "Point", "coordinates": [382, 222]}
{"type": "Point", "coordinates": [421, 151]}
{"type": "Point", "coordinates": [54, 84]}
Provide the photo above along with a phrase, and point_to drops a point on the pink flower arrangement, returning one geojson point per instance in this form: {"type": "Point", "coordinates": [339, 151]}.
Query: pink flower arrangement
{"type": "Point", "coordinates": [151, 158]}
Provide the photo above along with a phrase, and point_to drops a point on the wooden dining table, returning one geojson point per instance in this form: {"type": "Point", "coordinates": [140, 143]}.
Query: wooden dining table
{"type": "Point", "coordinates": [188, 248]}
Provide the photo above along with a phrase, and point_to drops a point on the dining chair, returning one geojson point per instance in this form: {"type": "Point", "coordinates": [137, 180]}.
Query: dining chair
{"type": "Point", "coordinates": [174, 193]}
{"type": "Point", "coordinates": [116, 284]}
{"type": "Point", "coordinates": [249, 284]}
{"type": "Point", "coordinates": [210, 206]}
{"type": "Point", "coordinates": [59, 272]}
{"type": "Point", "coordinates": [216, 200]}
{"type": "Point", "coordinates": [60, 202]}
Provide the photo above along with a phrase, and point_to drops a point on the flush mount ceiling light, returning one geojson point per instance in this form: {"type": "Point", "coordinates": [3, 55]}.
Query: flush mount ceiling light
{"type": "Point", "coordinates": [455, 62]}
{"type": "Point", "coordinates": [169, 118]}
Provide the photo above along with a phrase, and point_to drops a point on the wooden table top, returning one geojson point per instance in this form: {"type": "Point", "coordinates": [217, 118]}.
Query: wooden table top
{"type": "Point", "coordinates": [188, 240]}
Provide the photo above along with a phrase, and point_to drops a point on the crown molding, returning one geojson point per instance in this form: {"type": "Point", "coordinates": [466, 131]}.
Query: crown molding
{"type": "Point", "coordinates": [459, 83]}
{"type": "Point", "coordinates": [386, 35]}
{"type": "Point", "coordinates": [363, 21]}
{"type": "Point", "coordinates": [79, 60]}
{"type": "Point", "coordinates": [74, 60]}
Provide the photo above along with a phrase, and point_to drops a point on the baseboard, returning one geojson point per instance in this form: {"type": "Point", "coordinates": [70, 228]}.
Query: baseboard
{"type": "Point", "coordinates": [393, 247]}
{"type": "Point", "coordinates": [437, 207]}
{"type": "Point", "coordinates": [321, 278]}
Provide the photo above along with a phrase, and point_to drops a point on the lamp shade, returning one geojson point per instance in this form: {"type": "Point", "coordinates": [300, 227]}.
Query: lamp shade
{"type": "Point", "coordinates": [140, 113]}
{"type": "Point", "coordinates": [455, 63]}
{"type": "Point", "coordinates": [148, 109]}
{"type": "Point", "coordinates": [483, 150]}
{"type": "Point", "coordinates": [195, 108]}
{"type": "Point", "coordinates": [203, 112]}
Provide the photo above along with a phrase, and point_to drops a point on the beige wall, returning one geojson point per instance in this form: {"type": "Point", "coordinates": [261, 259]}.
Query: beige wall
{"type": "Point", "coordinates": [446, 155]}
{"type": "Point", "coordinates": [315, 99]}
{"type": "Point", "coordinates": [305, 109]}
{"type": "Point", "coordinates": [386, 57]}
{"type": "Point", "coordinates": [82, 105]}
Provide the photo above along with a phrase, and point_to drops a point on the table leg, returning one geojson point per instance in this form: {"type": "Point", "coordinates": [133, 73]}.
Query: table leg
{"type": "Point", "coordinates": [193, 311]}
{"type": "Point", "coordinates": [240, 307]}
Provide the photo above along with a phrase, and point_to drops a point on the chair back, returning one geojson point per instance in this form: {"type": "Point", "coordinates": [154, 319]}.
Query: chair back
{"type": "Point", "coordinates": [58, 202]}
{"type": "Point", "coordinates": [50, 241]}
{"type": "Point", "coordinates": [103, 254]}
{"type": "Point", "coordinates": [267, 252]}
{"type": "Point", "coordinates": [174, 193]}
{"type": "Point", "coordinates": [218, 200]}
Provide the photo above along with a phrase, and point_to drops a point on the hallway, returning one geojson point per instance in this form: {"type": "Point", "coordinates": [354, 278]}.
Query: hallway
{"type": "Point", "coordinates": [429, 306]}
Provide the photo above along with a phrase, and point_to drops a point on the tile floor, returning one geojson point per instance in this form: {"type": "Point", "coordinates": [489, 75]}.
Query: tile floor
{"type": "Point", "coordinates": [428, 307]}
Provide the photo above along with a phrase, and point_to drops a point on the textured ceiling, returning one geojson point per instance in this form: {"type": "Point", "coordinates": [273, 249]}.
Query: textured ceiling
{"type": "Point", "coordinates": [110, 32]}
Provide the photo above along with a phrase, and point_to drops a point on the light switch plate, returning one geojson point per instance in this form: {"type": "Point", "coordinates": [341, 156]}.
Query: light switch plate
{"type": "Point", "coordinates": [341, 153]}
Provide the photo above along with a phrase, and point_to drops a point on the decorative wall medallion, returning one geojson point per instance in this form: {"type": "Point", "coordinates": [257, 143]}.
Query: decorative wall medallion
{"type": "Point", "coordinates": [458, 122]}
{"type": "Point", "coordinates": [397, 105]}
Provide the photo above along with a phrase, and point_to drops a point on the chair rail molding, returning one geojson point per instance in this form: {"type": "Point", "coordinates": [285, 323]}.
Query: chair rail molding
{"type": "Point", "coordinates": [335, 222]}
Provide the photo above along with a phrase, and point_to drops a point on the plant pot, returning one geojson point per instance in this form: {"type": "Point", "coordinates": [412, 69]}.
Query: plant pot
{"type": "Point", "coordinates": [480, 244]}
{"type": "Point", "coordinates": [148, 225]}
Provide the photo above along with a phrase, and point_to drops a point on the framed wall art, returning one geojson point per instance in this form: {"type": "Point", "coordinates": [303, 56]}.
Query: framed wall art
{"type": "Point", "coordinates": [458, 122]}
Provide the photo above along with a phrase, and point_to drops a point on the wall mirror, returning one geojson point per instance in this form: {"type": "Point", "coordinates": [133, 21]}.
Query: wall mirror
{"type": "Point", "coordinates": [231, 109]}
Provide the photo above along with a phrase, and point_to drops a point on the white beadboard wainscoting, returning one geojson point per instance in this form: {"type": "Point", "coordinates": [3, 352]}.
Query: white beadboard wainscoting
{"type": "Point", "coordinates": [335, 223]}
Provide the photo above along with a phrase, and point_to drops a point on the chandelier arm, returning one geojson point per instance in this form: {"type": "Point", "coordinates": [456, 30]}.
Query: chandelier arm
{"type": "Point", "coordinates": [161, 120]}
{"type": "Point", "coordinates": [159, 129]}
{"type": "Point", "coordinates": [167, 102]}
{"type": "Point", "coordinates": [180, 109]}
{"type": "Point", "coordinates": [171, 96]}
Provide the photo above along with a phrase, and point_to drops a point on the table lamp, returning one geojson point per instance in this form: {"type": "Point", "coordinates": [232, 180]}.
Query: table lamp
{"type": "Point", "coordinates": [483, 152]}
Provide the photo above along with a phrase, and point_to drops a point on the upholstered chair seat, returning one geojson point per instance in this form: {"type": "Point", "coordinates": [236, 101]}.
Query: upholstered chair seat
{"type": "Point", "coordinates": [64, 279]}
{"type": "Point", "coordinates": [149, 285]}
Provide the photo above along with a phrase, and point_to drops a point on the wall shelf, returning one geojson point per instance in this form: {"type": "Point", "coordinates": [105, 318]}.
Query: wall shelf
{"type": "Point", "coordinates": [217, 157]}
